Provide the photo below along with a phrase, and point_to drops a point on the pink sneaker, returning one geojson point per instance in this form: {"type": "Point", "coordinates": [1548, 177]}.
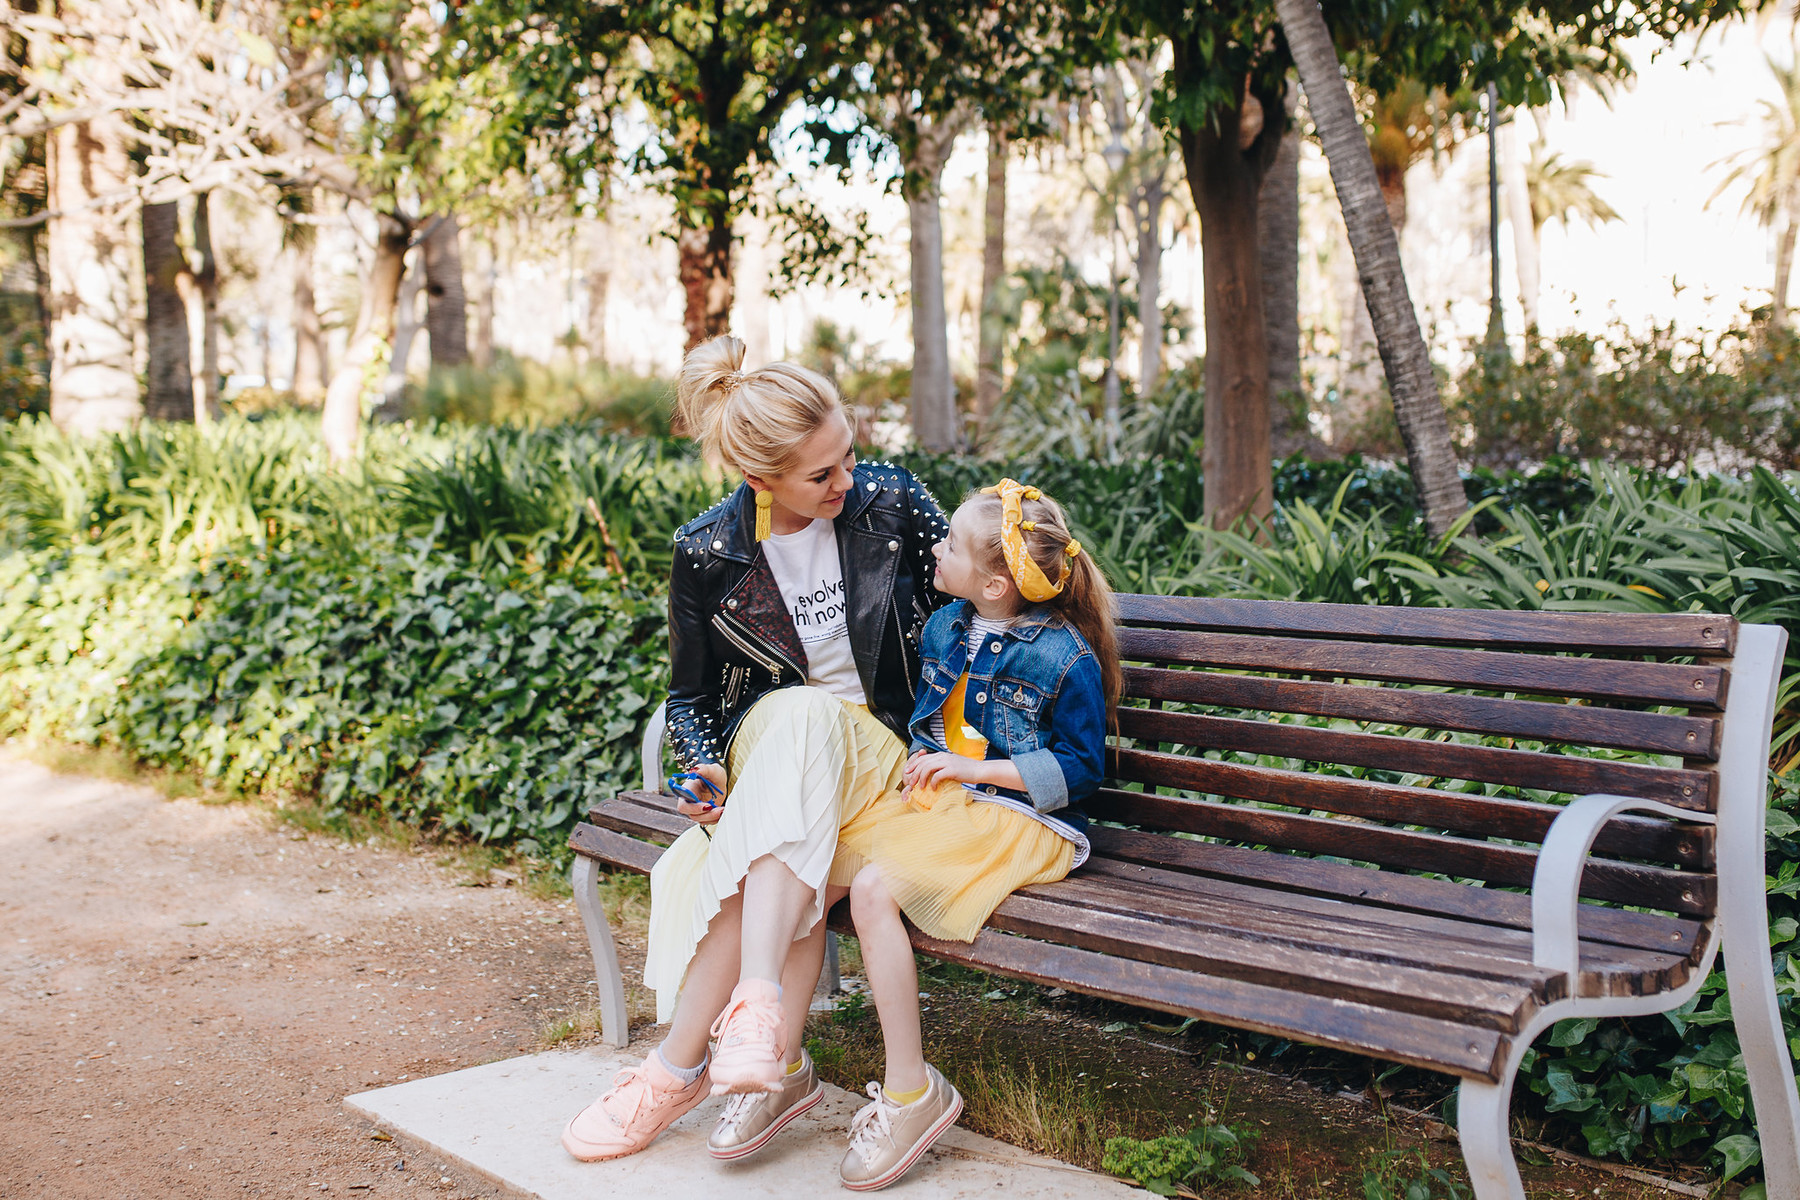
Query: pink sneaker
{"type": "Point", "coordinates": [644, 1100]}
{"type": "Point", "coordinates": [751, 1033]}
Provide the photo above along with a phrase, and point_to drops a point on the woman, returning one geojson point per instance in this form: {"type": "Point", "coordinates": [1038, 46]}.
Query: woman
{"type": "Point", "coordinates": [795, 607]}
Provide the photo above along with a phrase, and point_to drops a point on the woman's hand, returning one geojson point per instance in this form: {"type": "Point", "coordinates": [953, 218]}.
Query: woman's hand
{"type": "Point", "coordinates": [708, 812]}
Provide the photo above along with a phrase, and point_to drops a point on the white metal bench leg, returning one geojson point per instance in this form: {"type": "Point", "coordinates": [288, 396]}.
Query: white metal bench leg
{"type": "Point", "coordinates": [829, 980]}
{"type": "Point", "coordinates": [1484, 1125]}
{"type": "Point", "coordinates": [615, 1023]}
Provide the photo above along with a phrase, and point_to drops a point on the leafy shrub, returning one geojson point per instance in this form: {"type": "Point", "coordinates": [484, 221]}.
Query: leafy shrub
{"type": "Point", "coordinates": [524, 392]}
{"type": "Point", "coordinates": [1403, 1175]}
{"type": "Point", "coordinates": [1661, 398]}
{"type": "Point", "coordinates": [1173, 1165]}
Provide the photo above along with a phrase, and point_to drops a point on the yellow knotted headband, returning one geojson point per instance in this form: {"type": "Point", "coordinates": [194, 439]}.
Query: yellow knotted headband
{"type": "Point", "coordinates": [1033, 585]}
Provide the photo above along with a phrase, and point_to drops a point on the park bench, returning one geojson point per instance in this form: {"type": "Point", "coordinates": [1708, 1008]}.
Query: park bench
{"type": "Point", "coordinates": [1294, 840]}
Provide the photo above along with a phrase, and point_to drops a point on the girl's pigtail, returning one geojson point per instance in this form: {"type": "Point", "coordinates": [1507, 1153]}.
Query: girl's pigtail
{"type": "Point", "coordinates": [1086, 603]}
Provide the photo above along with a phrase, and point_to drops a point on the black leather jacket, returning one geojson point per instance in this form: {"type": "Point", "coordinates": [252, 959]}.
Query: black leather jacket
{"type": "Point", "coordinates": [732, 640]}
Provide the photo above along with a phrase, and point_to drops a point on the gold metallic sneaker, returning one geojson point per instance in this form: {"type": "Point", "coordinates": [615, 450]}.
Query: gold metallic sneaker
{"type": "Point", "coordinates": [751, 1119]}
{"type": "Point", "coordinates": [886, 1139]}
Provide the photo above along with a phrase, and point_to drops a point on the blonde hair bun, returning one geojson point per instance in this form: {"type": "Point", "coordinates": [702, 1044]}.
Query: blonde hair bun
{"type": "Point", "coordinates": [754, 421]}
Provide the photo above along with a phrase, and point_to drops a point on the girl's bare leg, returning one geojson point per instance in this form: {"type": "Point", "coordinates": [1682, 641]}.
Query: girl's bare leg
{"type": "Point", "coordinates": [887, 955]}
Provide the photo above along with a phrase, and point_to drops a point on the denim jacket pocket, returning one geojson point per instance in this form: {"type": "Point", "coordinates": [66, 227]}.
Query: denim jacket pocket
{"type": "Point", "coordinates": [1020, 712]}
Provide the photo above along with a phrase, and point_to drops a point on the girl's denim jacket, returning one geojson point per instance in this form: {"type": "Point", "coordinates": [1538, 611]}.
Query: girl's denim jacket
{"type": "Point", "coordinates": [1034, 693]}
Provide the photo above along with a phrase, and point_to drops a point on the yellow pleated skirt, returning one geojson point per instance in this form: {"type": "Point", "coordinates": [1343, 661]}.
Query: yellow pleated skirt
{"type": "Point", "coordinates": [950, 865]}
{"type": "Point", "coordinates": [801, 763]}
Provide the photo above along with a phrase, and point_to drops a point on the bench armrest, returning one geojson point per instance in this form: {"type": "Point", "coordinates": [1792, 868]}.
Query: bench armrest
{"type": "Point", "coordinates": [1556, 883]}
{"type": "Point", "coordinates": [653, 747]}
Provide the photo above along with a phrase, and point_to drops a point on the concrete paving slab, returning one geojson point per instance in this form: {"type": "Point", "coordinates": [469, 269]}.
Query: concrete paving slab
{"type": "Point", "coordinates": [502, 1121]}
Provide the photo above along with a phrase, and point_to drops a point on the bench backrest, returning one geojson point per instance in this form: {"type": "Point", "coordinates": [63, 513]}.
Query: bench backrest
{"type": "Point", "coordinates": [1558, 705]}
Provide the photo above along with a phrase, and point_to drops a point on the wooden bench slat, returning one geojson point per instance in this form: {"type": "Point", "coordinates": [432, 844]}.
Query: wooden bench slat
{"type": "Point", "coordinates": [1604, 879]}
{"type": "Point", "coordinates": [635, 813]}
{"type": "Point", "coordinates": [1465, 1000]}
{"type": "Point", "coordinates": [1567, 773]}
{"type": "Point", "coordinates": [1377, 890]}
{"type": "Point", "coordinates": [1447, 949]}
{"type": "Point", "coordinates": [1519, 820]}
{"type": "Point", "coordinates": [1620, 681]}
{"type": "Point", "coordinates": [1708, 634]}
{"type": "Point", "coordinates": [1564, 724]}
{"type": "Point", "coordinates": [1346, 1025]}
{"type": "Point", "coordinates": [614, 848]}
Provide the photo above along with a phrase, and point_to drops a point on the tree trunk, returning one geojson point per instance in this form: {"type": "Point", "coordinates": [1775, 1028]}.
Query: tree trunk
{"type": "Point", "coordinates": [1225, 179]}
{"type": "Point", "coordinates": [936, 423]}
{"type": "Point", "coordinates": [446, 307]}
{"type": "Point", "coordinates": [169, 382]}
{"type": "Point", "coordinates": [369, 339]}
{"type": "Point", "coordinates": [481, 352]}
{"type": "Point", "coordinates": [1518, 214]}
{"type": "Point", "coordinates": [989, 369]}
{"type": "Point", "coordinates": [599, 287]}
{"type": "Point", "coordinates": [310, 369]}
{"type": "Point", "coordinates": [200, 292]}
{"type": "Point", "coordinates": [93, 383]}
{"type": "Point", "coordinates": [1784, 266]}
{"type": "Point", "coordinates": [1149, 280]}
{"type": "Point", "coordinates": [406, 331]}
{"type": "Point", "coordinates": [706, 279]}
{"type": "Point", "coordinates": [1278, 246]}
{"type": "Point", "coordinates": [1417, 407]}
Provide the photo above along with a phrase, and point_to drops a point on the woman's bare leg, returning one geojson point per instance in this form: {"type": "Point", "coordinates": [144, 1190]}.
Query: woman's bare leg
{"type": "Point", "coordinates": [800, 977]}
{"type": "Point", "coordinates": [893, 976]}
{"type": "Point", "coordinates": [779, 901]}
{"type": "Point", "coordinates": [711, 975]}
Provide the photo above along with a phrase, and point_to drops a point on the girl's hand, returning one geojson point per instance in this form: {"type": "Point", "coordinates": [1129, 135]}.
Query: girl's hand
{"type": "Point", "coordinates": [712, 805]}
{"type": "Point", "coordinates": [925, 771]}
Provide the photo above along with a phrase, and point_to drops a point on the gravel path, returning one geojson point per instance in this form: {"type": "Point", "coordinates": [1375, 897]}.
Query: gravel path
{"type": "Point", "coordinates": [188, 991]}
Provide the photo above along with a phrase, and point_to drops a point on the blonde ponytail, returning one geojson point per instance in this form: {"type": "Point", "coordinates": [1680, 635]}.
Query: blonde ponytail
{"type": "Point", "coordinates": [754, 421]}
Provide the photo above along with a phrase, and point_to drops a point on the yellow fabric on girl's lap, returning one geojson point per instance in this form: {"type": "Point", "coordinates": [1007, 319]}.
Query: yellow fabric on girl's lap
{"type": "Point", "coordinates": [950, 866]}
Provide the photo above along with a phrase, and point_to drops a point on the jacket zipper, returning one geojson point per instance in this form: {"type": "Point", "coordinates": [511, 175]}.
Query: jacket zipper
{"type": "Point", "coordinates": [906, 665]}
{"type": "Point", "coordinates": [744, 640]}
{"type": "Point", "coordinates": [734, 685]}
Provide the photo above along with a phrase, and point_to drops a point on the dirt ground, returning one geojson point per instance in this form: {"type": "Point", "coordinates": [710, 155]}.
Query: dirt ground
{"type": "Point", "coordinates": [188, 991]}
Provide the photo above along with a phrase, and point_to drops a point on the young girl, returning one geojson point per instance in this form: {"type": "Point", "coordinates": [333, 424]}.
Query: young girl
{"type": "Point", "coordinates": [1009, 731]}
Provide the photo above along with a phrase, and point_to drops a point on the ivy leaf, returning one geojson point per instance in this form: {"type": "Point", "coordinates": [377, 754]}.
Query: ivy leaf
{"type": "Point", "coordinates": [1740, 1151]}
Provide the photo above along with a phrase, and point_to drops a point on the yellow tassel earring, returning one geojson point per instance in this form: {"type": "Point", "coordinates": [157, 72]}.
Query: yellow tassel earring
{"type": "Point", "coordinates": [764, 518]}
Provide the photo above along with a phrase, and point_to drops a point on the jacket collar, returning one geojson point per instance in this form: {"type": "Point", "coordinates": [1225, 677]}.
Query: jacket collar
{"type": "Point", "coordinates": [736, 528]}
{"type": "Point", "coordinates": [1025, 627]}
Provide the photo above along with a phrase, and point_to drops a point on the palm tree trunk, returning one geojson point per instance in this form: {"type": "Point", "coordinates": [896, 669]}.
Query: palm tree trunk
{"type": "Point", "coordinates": [1418, 409]}
{"type": "Point", "coordinates": [1149, 280]}
{"type": "Point", "coordinates": [1518, 215]}
{"type": "Point", "coordinates": [989, 370]}
{"type": "Point", "coordinates": [446, 305]}
{"type": "Point", "coordinates": [93, 381]}
{"type": "Point", "coordinates": [936, 423]}
{"type": "Point", "coordinates": [369, 339]}
{"type": "Point", "coordinates": [706, 278]}
{"type": "Point", "coordinates": [169, 382]}
{"type": "Point", "coordinates": [1278, 246]}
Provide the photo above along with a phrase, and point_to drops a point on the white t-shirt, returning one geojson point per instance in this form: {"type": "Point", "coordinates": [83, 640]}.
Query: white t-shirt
{"type": "Point", "coordinates": [811, 579]}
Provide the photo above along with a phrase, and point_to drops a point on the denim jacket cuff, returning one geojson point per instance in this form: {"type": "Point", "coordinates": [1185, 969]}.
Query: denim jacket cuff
{"type": "Point", "coordinates": [1044, 781]}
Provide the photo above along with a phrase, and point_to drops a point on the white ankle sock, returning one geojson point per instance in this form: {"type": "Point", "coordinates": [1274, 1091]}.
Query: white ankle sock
{"type": "Point", "coordinates": [684, 1074]}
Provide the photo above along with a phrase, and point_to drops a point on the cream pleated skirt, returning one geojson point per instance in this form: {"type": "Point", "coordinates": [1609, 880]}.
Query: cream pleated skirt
{"type": "Point", "coordinates": [802, 763]}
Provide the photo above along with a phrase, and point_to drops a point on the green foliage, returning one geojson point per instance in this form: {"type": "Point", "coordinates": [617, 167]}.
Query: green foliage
{"type": "Point", "coordinates": [1663, 398]}
{"type": "Point", "coordinates": [1403, 1175]}
{"type": "Point", "coordinates": [525, 392]}
{"type": "Point", "coordinates": [1173, 1165]}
